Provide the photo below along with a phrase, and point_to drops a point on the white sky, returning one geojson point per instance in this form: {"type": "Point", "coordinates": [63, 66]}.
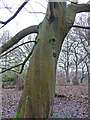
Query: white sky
{"type": "Point", "coordinates": [23, 19]}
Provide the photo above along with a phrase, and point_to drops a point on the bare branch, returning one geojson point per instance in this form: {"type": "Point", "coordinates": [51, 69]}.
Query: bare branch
{"type": "Point", "coordinates": [18, 37]}
{"type": "Point", "coordinates": [73, 1]}
{"type": "Point", "coordinates": [82, 8]}
{"type": "Point", "coordinates": [80, 27]}
{"type": "Point", "coordinates": [37, 13]}
{"type": "Point", "coordinates": [82, 59]}
{"type": "Point", "coordinates": [41, 5]}
{"type": "Point", "coordinates": [11, 68]}
{"type": "Point", "coordinates": [16, 47]}
{"type": "Point", "coordinates": [16, 13]}
{"type": "Point", "coordinates": [34, 12]}
{"type": "Point", "coordinates": [26, 59]}
{"type": "Point", "coordinates": [5, 6]}
{"type": "Point", "coordinates": [51, 6]}
{"type": "Point", "coordinates": [51, 12]}
{"type": "Point", "coordinates": [1, 22]}
{"type": "Point", "coordinates": [21, 64]}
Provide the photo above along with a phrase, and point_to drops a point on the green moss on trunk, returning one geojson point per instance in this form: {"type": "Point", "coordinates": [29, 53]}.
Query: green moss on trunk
{"type": "Point", "coordinates": [38, 94]}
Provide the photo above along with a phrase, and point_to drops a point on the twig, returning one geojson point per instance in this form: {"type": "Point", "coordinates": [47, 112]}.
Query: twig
{"type": "Point", "coordinates": [26, 59]}
{"type": "Point", "coordinates": [34, 12]}
{"type": "Point", "coordinates": [16, 13]}
{"type": "Point", "coordinates": [23, 63]}
{"type": "Point", "coordinates": [11, 68]}
{"type": "Point", "coordinates": [80, 27]}
{"type": "Point", "coordinates": [16, 47]}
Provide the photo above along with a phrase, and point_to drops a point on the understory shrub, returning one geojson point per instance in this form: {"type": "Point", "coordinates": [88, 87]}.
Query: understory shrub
{"type": "Point", "coordinates": [9, 77]}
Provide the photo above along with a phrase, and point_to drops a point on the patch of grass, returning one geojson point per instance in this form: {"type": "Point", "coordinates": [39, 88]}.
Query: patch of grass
{"type": "Point", "coordinates": [17, 114]}
{"type": "Point", "coordinates": [72, 95]}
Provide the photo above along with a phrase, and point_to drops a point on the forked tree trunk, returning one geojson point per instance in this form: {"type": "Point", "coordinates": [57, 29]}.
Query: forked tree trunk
{"type": "Point", "coordinates": [38, 94]}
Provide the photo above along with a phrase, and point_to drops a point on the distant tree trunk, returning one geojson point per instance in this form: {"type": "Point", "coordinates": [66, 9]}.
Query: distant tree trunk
{"type": "Point", "coordinates": [76, 76]}
{"type": "Point", "coordinates": [82, 75]}
{"type": "Point", "coordinates": [75, 80]}
{"type": "Point", "coordinates": [38, 94]}
{"type": "Point", "coordinates": [67, 67]}
{"type": "Point", "coordinates": [88, 71]}
{"type": "Point", "coordinates": [67, 75]}
{"type": "Point", "coordinates": [88, 66]}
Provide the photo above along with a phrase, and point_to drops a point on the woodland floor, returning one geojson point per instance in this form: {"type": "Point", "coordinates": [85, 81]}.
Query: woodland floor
{"type": "Point", "coordinates": [70, 102]}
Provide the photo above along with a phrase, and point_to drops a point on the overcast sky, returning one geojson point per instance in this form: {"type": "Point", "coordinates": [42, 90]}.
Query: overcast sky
{"type": "Point", "coordinates": [24, 18]}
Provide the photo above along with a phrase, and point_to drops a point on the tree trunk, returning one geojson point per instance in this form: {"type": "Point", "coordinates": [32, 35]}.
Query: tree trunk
{"type": "Point", "coordinates": [67, 73]}
{"type": "Point", "coordinates": [88, 71]}
{"type": "Point", "coordinates": [38, 94]}
{"type": "Point", "coordinates": [67, 66]}
{"type": "Point", "coordinates": [81, 81]}
{"type": "Point", "coordinates": [77, 82]}
{"type": "Point", "coordinates": [75, 79]}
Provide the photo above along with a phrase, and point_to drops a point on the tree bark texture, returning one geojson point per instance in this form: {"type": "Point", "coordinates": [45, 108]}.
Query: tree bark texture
{"type": "Point", "coordinates": [38, 94]}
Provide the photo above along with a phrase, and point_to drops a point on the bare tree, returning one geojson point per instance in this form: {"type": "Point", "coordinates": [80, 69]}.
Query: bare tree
{"type": "Point", "coordinates": [84, 38]}
{"type": "Point", "coordinates": [38, 94]}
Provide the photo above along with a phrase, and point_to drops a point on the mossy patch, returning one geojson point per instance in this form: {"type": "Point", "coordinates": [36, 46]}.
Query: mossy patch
{"type": "Point", "coordinates": [18, 111]}
{"type": "Point", "coordinates": [26, 83]}
{"type": "Point", "coordinates": [37, 39]}
{"type": "Point", "coordinates": [40, 25]}
{"type": "Point", "coordinates": [30, 91]}
{"type": "Point", "coordinates": [20, 105]}
{"type": "Point", "coordinates": [17, 114]}
{"type": "Point", "coordinates": [70, 5]}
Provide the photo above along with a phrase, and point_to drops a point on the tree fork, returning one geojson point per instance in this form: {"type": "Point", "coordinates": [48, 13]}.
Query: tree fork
{"type": "Point", "coordinates": [38, 94]}
{"type": "Point", "coordinates": [39, 89]}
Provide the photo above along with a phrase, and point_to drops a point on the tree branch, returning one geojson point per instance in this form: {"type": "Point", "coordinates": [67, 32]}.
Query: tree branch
{"type": "Point", "coordinates": [16, 47]}
{"type": "Point", "coordinates": [80, 27]}
{"type": "Point", "coordinates": [23, 63]}
{"type": "Point", "coordinates": [5, 6]}
{"type": "Point", "coordinates": [16, 13]}
{"type": "Point", "coordinates": [41, 5]}
{"type": "Point", "coordinates": [11, 68]}
{"type": "Point", "coordinates": [18, 37]}
{"type": "Point", "coordinates": [51, 12]}
{"type": "Point", "coordinates": [82, 8]}
{"type": "Point", "coordinates": [34, 12]}
{"type": "Point", "coordinates": [51, 6]}
{"type": "Point", "coordinates": [82, 59]}
{"type": "Point", "coordinates": [26, 59]}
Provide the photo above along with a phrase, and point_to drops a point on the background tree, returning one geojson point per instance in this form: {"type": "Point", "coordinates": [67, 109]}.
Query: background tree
{"type": "Point", "coordinates": [84, 39]}
{"type": "Point", "coordinates": [64, 58]}
{"type": "Point", "coordinates": [75, 44]}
